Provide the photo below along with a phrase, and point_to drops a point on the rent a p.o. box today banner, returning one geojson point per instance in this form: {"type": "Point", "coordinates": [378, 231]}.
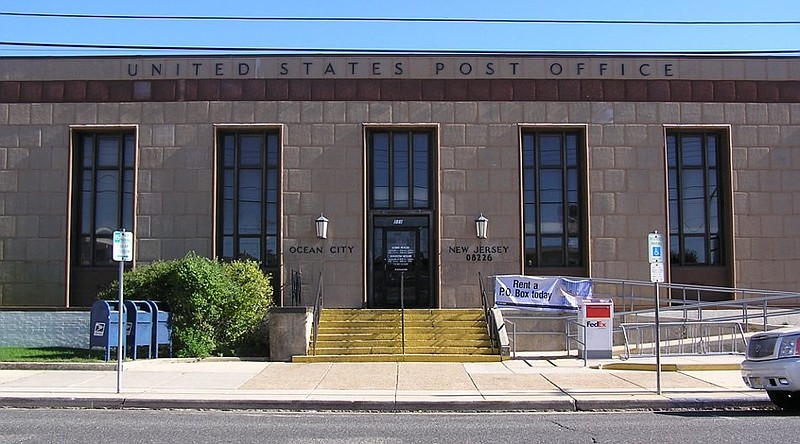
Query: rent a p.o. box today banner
{"type": "Point", "coordinates": [540, 293]}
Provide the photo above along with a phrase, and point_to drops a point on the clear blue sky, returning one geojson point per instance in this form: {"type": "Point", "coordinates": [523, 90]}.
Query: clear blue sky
{"type": "Point", "coordinates": [409, 36]}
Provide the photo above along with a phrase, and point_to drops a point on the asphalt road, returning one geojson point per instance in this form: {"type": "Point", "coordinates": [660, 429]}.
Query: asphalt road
{"type": "Point", "coordinates": [183, 426]}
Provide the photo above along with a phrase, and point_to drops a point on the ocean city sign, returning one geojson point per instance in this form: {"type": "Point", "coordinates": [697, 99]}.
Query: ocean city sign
{"type": "Point", "coordinates": [318, 250]}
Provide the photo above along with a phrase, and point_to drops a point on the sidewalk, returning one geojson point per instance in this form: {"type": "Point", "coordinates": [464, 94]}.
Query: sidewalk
{"type": "Point", "coordinates": [530, 384]}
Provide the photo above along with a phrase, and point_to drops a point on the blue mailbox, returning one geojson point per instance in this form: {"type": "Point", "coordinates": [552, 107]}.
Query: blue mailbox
{"type": "Point", "coordinates": [140, 321]}
{"type": "Point", "coordinates": [162, 326]}
{"type": "Point", "coordinates": [104, 326]}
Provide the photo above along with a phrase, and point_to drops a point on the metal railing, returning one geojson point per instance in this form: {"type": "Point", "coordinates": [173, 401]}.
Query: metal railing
{"type": "Point", "coordinates": [699, 303]}
{"type": "Point", "coordinates": [296, 283]}
{"type": "Point", "coordinates": [491, 325]}
{"type": "Point", "coordinates": [575, 337]}
{"type": "Point", "coordinates": [697, 319]}
{"type": "Point", "coordinates": [402, 313]}
{"type": "Point", "coordinates": [684, 338]}
{"type": "Point", "coordinates": [710, 319]}
{"type": "Point", "coordinates": [533, 316]}
{"type": "Point", "coordinates": [578, 335]}
{"type": "Point", "coordinates": [318, 301]}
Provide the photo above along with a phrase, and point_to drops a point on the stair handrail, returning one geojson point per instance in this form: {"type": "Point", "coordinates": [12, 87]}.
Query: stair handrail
{"type": "Point", "coordinates": [494, 340]}
{"type": "Point", "coordinates": [296, 287]}
{"type": "Point", "coordinates": [316, 313]}
{"type": "Point", "coordinates": [402, 314]}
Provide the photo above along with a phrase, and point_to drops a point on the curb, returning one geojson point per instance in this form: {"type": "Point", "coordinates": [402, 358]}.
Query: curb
{"type": "Point", "coordinates": [667, 367]}
{"type": "Point", "coordinates": [102, 366]}
{"type": "Point", "coordinates": [675, 404]}
{"type": "Point", "coordinates": [566, 405]}
{"type": "Point", "coordinates": [76, 366]}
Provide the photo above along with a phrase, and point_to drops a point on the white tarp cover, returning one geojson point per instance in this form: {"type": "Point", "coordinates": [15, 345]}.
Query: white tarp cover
{"type": "Point", "coordinates": [540, 293]}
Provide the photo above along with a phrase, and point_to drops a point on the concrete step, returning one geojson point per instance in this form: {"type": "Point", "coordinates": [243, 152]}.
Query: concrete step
{"type": "Point", "coordinates": [409, 349]}
{"type": "Point", "coordinates": [355, 332]}
{"type": "Point", "coordinates": [350, 315]}
{"type": "Point", "coordinates": [393, 314]}
{"type": "Point", "coordinates": [364, 349]}
{"type": "Point", "coordinates": [397, 358]}
{"type": "Point", "coordinates": [358, 325]}
{"type": "Point", "coordinates": [444, 337]}
{"type": "Point", "coordinates": [427, 344]}
{"type": "Point", "coordinates": [375, 349]}
{"type": "Point", "coordinates": [336, 335]}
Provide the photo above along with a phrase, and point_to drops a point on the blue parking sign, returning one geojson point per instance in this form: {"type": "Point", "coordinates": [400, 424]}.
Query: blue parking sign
{"type": "Point", "coordinates": [655, 243]}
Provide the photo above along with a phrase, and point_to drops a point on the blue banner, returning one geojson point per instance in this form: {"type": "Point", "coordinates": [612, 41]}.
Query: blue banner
{"type": "Point", "coordinates": [540, 293]}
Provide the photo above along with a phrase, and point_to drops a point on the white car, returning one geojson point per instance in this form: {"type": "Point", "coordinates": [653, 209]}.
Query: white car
{"type": "Point", "coordinates": [773, 364]}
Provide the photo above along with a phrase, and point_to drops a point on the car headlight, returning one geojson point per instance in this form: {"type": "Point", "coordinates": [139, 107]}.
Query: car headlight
{"type": "Point", "coordinates": [789, 346]}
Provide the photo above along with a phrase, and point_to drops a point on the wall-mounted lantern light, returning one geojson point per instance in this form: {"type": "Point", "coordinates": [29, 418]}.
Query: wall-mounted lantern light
{"type": "Point", "coordinates": [322, 227]}
{"type": "Point", "coordinates": [481, 226]}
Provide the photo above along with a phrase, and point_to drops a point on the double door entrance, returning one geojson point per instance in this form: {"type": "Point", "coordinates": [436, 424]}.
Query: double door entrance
{"type": "Point", "coordinates": [401, 268]}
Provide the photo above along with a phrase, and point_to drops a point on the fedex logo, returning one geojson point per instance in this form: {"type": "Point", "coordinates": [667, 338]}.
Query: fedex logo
{"type": "Point", "coordinates": [596, 324]}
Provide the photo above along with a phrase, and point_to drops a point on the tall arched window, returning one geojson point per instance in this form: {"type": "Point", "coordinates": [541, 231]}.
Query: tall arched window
{"type": "Point", "coordinates": [249, 191]}
{"type": "Point", "coordinates": [695, 202]}
{"type": "Point", "coordinates": [553, 209]}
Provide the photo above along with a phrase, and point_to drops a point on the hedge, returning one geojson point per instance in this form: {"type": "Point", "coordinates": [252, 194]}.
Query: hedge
{"type": "Point", "coordinates": [218, 308]}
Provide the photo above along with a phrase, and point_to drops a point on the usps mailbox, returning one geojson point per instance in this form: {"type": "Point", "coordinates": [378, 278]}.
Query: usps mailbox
{"type": "Point", "coordinates": [140, 320]}
{"type": "Point", "coordinates": [104, 326]}
{"type": "Point", "coordinates": [597, 320]}
{"type": "Point", "coordinates": [162, 326]}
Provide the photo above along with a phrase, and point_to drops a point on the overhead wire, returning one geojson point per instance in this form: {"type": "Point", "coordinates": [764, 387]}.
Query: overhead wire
{"type": "Point", "coordinates": [306, 50]}
{"type": "Point", "coordinates": [241, 49]}
{"type": "Point", "coordinates": [406, 19]}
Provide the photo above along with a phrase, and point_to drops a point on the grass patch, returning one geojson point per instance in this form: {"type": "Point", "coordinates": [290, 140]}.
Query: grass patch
{"type": "Point", "coordinates": [49, 354]}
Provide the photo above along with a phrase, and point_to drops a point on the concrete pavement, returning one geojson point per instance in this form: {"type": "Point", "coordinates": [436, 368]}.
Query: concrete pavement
{"type": "Point", "coordinates": [526, 383]}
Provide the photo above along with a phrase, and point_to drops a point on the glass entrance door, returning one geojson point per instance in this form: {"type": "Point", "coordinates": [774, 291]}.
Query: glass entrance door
{"type": "Point", "coordinates": [400, 262]}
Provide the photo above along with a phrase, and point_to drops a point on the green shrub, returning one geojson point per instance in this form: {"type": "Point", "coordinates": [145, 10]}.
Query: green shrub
{"type": "Point", "coordinates": [217, 307]}
{"type": "Point", "coordinates": [244, 312]}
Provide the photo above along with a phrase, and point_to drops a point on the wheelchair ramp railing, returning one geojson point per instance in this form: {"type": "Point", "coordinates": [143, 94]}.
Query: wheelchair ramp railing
{"type": "Point", "coordinates": [683, 338]}
{"type": "Point", "coordinates": [693, 319]}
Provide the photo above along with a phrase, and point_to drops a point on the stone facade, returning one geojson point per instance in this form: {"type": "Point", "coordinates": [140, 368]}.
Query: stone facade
{"type": "Point", "coordinates": [68, 329]}
{"type": "Point", "coordinates": [323, 118]}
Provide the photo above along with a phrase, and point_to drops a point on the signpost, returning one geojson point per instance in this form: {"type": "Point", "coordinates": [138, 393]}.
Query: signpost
{"type": "Point", "coordinates": [122, 252]}
{"type": "Point", "coordinates": [655, 255]}
{"type": "Point", "coordinates": [400, 257]}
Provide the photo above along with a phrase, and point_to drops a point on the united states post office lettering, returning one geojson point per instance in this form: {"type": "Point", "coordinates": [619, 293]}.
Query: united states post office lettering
{"type": "Point", "coordinates": [439, 68]}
